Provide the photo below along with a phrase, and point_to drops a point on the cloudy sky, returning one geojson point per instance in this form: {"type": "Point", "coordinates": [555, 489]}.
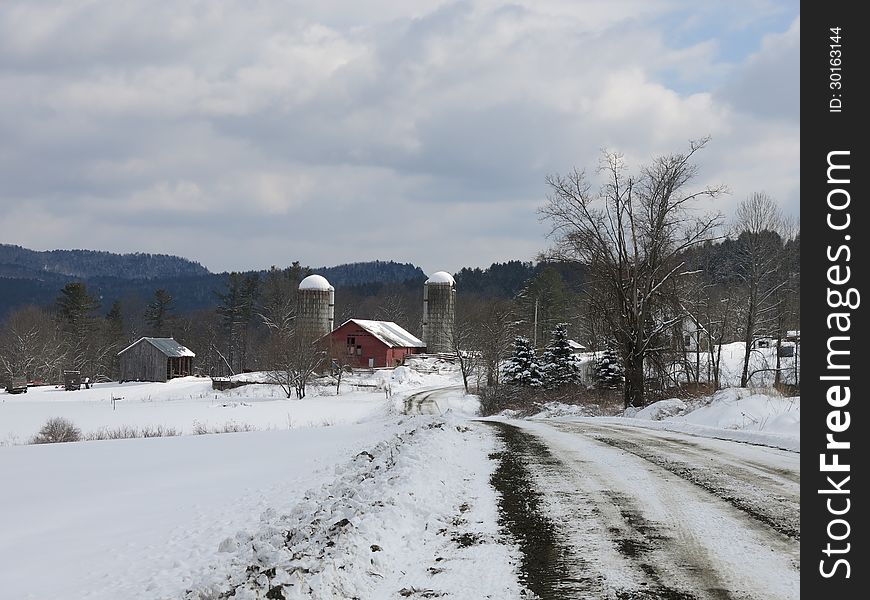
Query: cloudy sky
{"type": "Point", "coordinates": [246, 133]}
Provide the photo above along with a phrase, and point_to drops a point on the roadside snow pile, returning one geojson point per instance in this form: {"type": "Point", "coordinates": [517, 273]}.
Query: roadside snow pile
{"type": "Point", "coordinates": [413, 516]}
{"type": "Point", "coordinates": [658, 410]}
{"type": "Point", "coordinates": [399, 375]}
{"type": "Point", "coordinates": [740, 408]}
{"type": "Point", "coordinates": [733, 408]}
{"type": "Point", "coordinates": [736, 414]}
{"type": "Point", "coordinates": [560, 409]}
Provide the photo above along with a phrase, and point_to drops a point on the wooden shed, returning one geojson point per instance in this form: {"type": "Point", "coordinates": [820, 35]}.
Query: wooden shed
{"type": "Point", "coordinates": [155, 359]}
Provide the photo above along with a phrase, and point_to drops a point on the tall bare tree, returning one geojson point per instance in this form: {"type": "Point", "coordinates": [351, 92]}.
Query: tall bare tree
{"type": "Point", "coordinates": [759, 226]}
{"type": "Point", "coordinates": [494, 326]}
{"type": "Point", "coordinates": [29, 345]}
{"type": "Point", "coordinates": [630, 234]}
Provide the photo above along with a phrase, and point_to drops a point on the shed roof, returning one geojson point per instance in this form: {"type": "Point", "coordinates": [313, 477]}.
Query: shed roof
{"type": "Point", "coordinates": [389, 333]}
{"type": "Point", "coordinates": [576, 346]}
{"type": "Point", "coordinates": [167, 346]}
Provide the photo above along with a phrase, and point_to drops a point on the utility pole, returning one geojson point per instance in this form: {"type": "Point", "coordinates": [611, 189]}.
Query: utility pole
{"type": "Point", "coordinates": [535, 333]}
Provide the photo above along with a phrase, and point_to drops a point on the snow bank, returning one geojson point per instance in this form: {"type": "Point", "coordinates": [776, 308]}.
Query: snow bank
{"type": "Point", "coordinates": [143, 518]}
{"type": "Point", "coordinates": [736, 414]}
{"type": "Point", "coordinates": [459, 403]}
{"type": "Point", "coordinates": [739, 408]}
{"type": "Point", "coordinates": [409, 517]}
{"type": "Point", "coordinates": [658, 410]}
{"type": "Point", "coordinates": [549, 410]}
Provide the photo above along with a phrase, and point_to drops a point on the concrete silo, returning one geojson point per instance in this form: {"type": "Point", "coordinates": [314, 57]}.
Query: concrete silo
{"type": "Point", "coordinates": [316, 307]}
{"type": "Point", "coordinates": [439, 312]}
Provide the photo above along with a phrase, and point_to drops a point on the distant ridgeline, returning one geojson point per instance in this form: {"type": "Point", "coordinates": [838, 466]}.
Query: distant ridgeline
{"type": "Point", "coordinates": [31, 277]}
{"type": "Point", "coordinates": [22, 263]}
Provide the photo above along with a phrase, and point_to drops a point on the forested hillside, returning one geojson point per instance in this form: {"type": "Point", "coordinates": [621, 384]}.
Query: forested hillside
{"type": "Point", "coordinates": [31, 277]}
{"type": "Point", "coordinates": [19, 262]}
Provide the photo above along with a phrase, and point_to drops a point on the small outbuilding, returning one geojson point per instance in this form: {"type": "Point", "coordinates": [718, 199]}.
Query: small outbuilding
{"type": "Point", "coordinates": [155, 359]}
{"type": "Point", "coordinates": [364, 343]}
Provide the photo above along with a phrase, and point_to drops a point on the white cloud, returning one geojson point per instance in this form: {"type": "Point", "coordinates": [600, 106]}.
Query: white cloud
{"type": "Point", "coordinates": [413, 131]}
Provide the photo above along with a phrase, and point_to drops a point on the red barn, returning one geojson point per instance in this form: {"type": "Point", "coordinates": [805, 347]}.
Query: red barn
{"type": "Point", "coordinates": [363, 343]}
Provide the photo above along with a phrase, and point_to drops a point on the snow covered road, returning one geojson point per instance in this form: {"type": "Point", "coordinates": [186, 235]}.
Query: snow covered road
{"type": "Point", "coordinates": [433, 401]}
{"type": "Point", "coordinates": [607, 511]}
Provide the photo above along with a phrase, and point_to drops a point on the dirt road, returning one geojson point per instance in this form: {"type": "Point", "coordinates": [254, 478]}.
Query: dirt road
{"type": "Point", "coordinates": [607, 511]}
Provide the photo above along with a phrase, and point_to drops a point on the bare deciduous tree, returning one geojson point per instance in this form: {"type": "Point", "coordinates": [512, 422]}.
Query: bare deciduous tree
{"type": "Point", "coordinates": [294, 363]}
{"type": "Point", "coordinates": [494, 327]}
{"type": "Point", "coordinates": [760, 228]}
{"type": "Point", "coordinates": [630, 235]}
{"type": "Point", "coordinates": [29, 345]}
{"type": "Point", "coordinates": [462, 347]}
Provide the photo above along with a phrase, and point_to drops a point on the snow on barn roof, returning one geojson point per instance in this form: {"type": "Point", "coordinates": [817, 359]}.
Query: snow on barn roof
{"type": "Point", "coordinates": [389, 333]}
{"type": "Point", "coordinates": [441, 277]}
{"type": "Point", "coordinates": [576, 346]}
{"type": "Point", "coordinates": [167, 346]}
{"type": "Point", "coordinates": [315, 282]}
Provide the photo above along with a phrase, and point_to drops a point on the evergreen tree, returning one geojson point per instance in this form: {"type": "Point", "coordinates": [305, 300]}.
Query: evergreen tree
{"type": "Point", "coordinates": [82, 346]}
{"type": "Point", "coordinates": [236, 311]}
{"type": "Point", "coordinates": [608, 371]}
{"type": "Point", "coordinates": [522, 367]}
{"type": "Point", "coordinates": [560, 364]}
{"type": "Point", "coordinates": [76, 308]}
{"type": "Point", "coordinates": [113, 332]}
{"type": "Point", "coordinates": [157, 314]}
{"type": "Point", "coordinates": [544, 300]}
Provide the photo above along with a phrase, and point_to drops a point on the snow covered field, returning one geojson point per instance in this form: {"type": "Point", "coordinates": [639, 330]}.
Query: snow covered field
{"type": "Point", "coordinates": [190, 404]}
{"type": "Point", "coordinates": [137, 518]}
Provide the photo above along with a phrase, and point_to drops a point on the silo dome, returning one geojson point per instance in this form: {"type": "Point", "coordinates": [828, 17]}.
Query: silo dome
{"type": "Point", "coordinates": [315, 282]}
{"type": "Point", "coordinates": [441, 277]}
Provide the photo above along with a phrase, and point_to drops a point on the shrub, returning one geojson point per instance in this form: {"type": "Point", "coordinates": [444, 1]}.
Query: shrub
{"type": "Point", "coordinates": [126, 432]}
{"type": "Point", "coordinates": [58, 429]}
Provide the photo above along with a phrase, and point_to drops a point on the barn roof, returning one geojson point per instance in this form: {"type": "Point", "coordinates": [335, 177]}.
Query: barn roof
{"type": "Point", "coordinates": [167, 346]}
{"type": "Point", "coordinates": [389, 333]}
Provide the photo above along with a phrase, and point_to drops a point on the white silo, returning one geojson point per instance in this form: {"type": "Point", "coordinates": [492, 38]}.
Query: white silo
{"type": "Point", "coordinates": [439, 312]}
{"type": "Point", "coordinates": [316, 307]}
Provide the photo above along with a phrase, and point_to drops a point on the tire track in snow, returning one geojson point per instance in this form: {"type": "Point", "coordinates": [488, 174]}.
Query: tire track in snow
{"type": "Point", "coordinates": [426, 402]}
{"type": "Point", "coordinates": [626, 528]}
{"type": "Point", "coordinates": [765, 494]}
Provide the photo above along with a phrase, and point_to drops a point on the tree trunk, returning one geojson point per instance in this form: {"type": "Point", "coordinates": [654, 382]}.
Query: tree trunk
{"type": "Point", "coordinates": [747, 345]}
{"type": "Point", "coordinates": [777, 376]}
{"type": "Point", "coordinates": [634, 381]}
{"type": "Point", "coordinates": [717, 365]}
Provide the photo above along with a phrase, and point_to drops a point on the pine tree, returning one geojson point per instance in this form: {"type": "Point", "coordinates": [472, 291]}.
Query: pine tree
{"type": "Point", "coordinates": [80, 344]}
{"type": "Point", "coordinates": [157, 314]}
{"type": "Point", "coordinates": [608, 371]}
{"type": "Point", "coordinates": [76, 308]}
{"type": "Point", "coordinates": [522, 367]}
{"type": "Point", "coordinates": [113, 333]}
{"type": "Point", "coordinates": [560, 364]}
{"type": "Point", "coordinates": [236, 310]}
